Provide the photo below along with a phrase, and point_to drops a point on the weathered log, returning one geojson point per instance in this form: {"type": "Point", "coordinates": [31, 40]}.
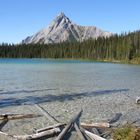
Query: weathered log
{"type": "Point", "coordinates": [49, 116]}
{"type": "Point", "coordinates": [3, 123]}
{"type": "Point", "coordinates": [48, 133]}
{"type": "Point", "coordinates": [17, 116]}
{"type": "Point", "coordinates": [91, 135]}
{"type": "Point", "coordinates": [95, 131]}
{"type": "Point", "coordinates": [80, 134]}
{"type": "Point", "coordinates": [84, 125]}
{"type": "Point", "coordinates": [68, 126]}
{"type": "Point", "coordinates": [50, 127]}
{"type": "Point", "coordinates": [96, 125]}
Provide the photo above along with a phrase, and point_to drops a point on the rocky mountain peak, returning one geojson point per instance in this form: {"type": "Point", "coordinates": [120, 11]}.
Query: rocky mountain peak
{"type": "Point", "coordinates": [61, 15]}
{"type": "Point", "coordinates": [59, 22]}
{"type": "Point", "coordinates": [62, 29]}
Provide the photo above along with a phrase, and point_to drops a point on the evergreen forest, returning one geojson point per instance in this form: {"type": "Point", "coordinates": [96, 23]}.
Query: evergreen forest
{"type": "Point", "coordinates": [123, 48]}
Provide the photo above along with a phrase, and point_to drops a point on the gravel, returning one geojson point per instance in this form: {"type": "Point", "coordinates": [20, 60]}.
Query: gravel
{"type": "Point", "coordinates": [96, 108]}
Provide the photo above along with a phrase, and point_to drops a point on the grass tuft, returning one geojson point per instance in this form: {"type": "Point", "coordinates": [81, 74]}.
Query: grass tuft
{"type": "Point", "coordinates": [127, 133]}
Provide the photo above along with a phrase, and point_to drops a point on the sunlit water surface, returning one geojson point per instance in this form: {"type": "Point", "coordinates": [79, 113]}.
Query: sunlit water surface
{"type": "Point", "coordinates": [30, 80]}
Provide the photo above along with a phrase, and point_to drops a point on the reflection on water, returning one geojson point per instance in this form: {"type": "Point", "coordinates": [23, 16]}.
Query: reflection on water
{"type": "Point", "coordinates": [42, 80]}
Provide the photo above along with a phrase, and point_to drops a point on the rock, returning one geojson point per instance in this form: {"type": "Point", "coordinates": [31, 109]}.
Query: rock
{"type": "Point", "coordinates": [138, 100]}
{"type": "Point", "coordinates": [63, 29]}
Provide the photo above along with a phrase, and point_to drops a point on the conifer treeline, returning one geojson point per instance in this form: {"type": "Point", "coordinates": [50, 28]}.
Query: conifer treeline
{"type": "Point", "coordinates": [124, 47]}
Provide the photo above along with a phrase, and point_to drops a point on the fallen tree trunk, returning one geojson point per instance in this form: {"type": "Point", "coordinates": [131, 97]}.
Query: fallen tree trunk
{"type": "Point", "coordinates": [80, 134]}
{"type": "Point", "coordinates": [96, 125]}
{"type": "Point", "coordinates": [36, 136]}
{"type": "Point", "coordinates": [3, 123]}
{"type": "Point", "coordinates": [50, 127]}
{"type": "Point", "coordinates": [68, 126]}
{"type": "Point", "coordinates": [17, 116]}
{"type": "Point", "coordinates": [95, 131]}
{"type": "Point", "coordinates": [91, 135]}
{"type": "Point", "coordinates": [84, 125]}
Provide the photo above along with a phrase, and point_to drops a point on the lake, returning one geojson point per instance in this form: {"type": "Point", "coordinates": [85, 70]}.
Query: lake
{"type": "Point", "coordinates": [37, 77]}
{"type": "Point", "coordinates": [63, 87]}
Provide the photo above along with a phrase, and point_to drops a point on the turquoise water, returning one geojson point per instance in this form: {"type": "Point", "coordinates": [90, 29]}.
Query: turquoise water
{"type": "Point", "coordinates": [22, 80]}
{"type": "Point", "coordinates": [39, 61]}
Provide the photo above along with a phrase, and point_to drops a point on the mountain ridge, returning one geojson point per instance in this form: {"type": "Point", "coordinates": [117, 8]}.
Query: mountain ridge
{"type": "Point", "coordinates": [62, 29]}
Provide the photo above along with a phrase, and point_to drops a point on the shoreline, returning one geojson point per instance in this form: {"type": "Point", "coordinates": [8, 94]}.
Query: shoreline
{"type": "Point", "coordinates": [100, 108]}
{"type": "Point", "coordinates": [132, 62]}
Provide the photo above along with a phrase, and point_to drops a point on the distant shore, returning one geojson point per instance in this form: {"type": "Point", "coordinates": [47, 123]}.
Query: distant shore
{"type": "Point", "coordinates": [133, 62]}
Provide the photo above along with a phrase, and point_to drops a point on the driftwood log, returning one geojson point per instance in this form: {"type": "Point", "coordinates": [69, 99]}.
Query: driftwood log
{"type": "Point", "coordinates": [3, 123]}
{"type": "Point", "coordinates": [50, 127]}
{"type": "Point", "coordinates": [91, 135]}
{"type": "Point", "coordinates": [48, 133]}
{"type": "Point", "coordinates": [82, 124]}
{"type": "Point", "coordinates": [80, 134]}
{"type": "Point", "coordinates": [95, 125]}
{"type": "Point", "coordinates": [53, 130]}
{"type": "Point", "coordinates": [68, 126]}
{"type": "Point", "coordinates": [95, 131]}
{"type": "Point", "coordinates": [17, 116]}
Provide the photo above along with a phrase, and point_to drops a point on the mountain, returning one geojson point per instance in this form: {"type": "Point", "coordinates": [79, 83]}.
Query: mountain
{"type": "Point", "coordinates": [63, 29]}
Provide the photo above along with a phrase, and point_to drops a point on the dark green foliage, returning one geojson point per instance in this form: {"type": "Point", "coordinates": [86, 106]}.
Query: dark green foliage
{"type": "Point", "coordinates": [124, 47]}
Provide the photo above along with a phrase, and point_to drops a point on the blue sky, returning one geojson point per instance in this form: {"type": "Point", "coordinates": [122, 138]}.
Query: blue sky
{"type": "Point", "coordinates": [21, 18]}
